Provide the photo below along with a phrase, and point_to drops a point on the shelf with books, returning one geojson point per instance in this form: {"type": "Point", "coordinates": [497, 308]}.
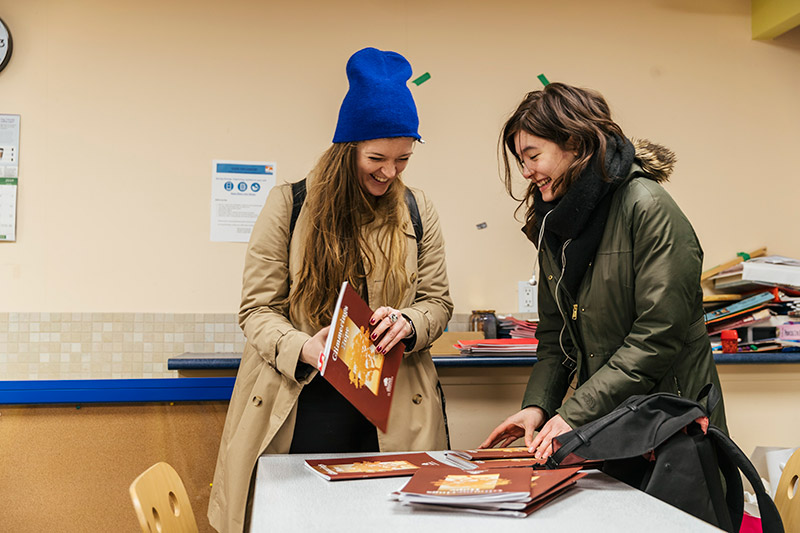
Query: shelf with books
{"type": "Point", "coordinates": [765, 323]}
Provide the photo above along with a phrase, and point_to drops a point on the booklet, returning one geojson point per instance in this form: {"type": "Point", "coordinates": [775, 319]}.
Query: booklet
{"type": "Point", "coordinates": [400, 464]}
{"type": "Point", "coordinates": [501, 458]}
{"type": "Point", "coordinates": [495, 463]}
{"type": "Point", "coordinates": [351, 363]}
{"type": "Point", "coordinates": [513, 452]}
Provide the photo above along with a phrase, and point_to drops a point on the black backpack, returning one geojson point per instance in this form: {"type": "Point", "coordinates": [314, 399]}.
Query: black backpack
{"type": "Point", "coordinates": [657, 443]}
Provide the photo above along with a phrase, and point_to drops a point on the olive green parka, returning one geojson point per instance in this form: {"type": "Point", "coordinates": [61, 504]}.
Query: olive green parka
{"type": "Point", "coordinates": [636, 325]}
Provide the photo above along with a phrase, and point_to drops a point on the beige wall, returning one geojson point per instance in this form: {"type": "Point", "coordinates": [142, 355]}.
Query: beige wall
{"type": "Point", "coordinates": [124, 104]}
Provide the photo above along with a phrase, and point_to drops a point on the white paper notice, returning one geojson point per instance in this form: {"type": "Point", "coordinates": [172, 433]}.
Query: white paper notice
{"type": "Point", "coordinates": [9, 173]}
{"type": "Point", "coordinates": [238, 192]}
{"type": "Point", "coordinates": [8, 209]}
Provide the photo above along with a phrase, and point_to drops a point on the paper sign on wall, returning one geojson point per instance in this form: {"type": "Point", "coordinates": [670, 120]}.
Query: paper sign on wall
{"type": "Point", "coordinates": [9, 175]}
{"type": "Point", "coordinates": [238, 192]}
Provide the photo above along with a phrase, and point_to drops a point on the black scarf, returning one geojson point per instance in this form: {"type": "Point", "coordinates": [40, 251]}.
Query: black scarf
{"type": "Point", "coordinates": [581, 213]}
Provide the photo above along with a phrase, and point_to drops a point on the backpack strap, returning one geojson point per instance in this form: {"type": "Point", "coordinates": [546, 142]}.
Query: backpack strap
{"type": "Point", "coordinates": [416, 220]}
{"type": "Point", "coordinates": [708, 397]}
{"type": "Point", "coordinates": [732, 459]}
{"type": "Point", "coordinates": [299, 197]}
{"type": "Point", "coordinates": [572, 440]}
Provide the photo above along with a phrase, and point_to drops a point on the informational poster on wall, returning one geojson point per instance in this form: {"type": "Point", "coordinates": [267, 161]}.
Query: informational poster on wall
{"type": "Point", "coordinates": [9, 176]}
{"type": "Point", "coordinates": [238, 192]}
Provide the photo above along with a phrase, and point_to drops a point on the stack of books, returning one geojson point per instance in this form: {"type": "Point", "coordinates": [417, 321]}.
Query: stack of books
{"type": "Point", "coordinates": [755, 273]}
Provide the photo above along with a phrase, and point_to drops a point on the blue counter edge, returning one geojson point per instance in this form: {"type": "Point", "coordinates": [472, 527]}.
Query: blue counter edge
{"type": "Point", "coordinates": [79, 391]}
{"type": "Point", "coordinates": [231, 361]}
{"type": "Point", "coordinates": [191, 389]}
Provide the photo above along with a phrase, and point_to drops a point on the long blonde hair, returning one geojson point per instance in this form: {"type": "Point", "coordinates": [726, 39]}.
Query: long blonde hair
{"type": "Point", "coordinates": [335, 247]}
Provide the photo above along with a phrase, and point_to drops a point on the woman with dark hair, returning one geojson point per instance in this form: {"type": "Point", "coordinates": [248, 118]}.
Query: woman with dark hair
{"type": "Point", "coordinates": [620, 302]}
{"type": "Point", "coordinates": [357, 225]}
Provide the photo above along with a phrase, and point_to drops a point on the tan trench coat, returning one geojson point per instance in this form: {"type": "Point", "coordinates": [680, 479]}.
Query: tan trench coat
{"type": "Point", "coordinates": [263, 406]}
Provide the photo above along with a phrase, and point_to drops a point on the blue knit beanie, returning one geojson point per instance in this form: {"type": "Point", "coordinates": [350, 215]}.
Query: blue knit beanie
{"type": "Point", "coordinates": [378, 104]}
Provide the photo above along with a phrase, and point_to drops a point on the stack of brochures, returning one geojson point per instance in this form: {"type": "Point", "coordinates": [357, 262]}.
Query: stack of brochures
{"type": "Point", "coordinates": [515, 328]}
{"type": "Point", "coordinates": [515, 492]}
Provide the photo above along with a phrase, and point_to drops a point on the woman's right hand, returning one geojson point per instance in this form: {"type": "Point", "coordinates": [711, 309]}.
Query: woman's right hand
{"type": "Point", "coordinates": [515, 426]}
{"type": "Point", "coordinates": [313, 347]}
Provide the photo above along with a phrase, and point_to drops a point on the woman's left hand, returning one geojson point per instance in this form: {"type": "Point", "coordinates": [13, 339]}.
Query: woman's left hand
{"type": "Point", "coordinates": [390, 328]}
{"type": "Point", "coordinates": [542, 445]}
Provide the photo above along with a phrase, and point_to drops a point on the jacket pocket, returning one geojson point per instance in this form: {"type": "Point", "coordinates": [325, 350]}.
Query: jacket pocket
{"type": "Point", "coordinates": [696, 330]}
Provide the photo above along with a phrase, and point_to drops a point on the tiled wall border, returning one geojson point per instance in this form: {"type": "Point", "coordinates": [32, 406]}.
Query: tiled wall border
{"type": "Point", "coordinates": [108, 345]}
{"type": "Point", "coordinates": [116, 345]}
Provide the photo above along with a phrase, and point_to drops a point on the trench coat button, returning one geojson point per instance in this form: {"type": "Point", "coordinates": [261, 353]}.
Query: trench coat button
{"type": "Point", "coordinates": [417, 399]}
{"type": "Point", "coordinates": [413, 277]}
{"type": "Point", "coordinates": [257, 400]}
{"type": "Point", "coordinates": [550, 277]}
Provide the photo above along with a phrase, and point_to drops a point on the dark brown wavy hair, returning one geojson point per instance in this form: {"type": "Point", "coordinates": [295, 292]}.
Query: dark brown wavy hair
{"type": "Point", "coordinates": [573, 118]}
{"type": "Point", "coordinates": [335, 247]}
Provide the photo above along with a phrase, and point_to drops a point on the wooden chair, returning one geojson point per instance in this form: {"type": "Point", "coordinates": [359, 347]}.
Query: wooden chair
{"type": "Point", "coordinates": [787, 497]}
{"type": "Point", "coordinates": [161, 502]}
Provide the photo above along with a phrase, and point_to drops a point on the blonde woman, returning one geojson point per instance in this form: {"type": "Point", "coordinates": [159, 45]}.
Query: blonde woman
{"type": "Point", "coordinates": [355, 225]}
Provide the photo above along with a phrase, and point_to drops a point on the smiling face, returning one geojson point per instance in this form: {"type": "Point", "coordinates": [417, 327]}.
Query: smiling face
{"type": "Point", "coordinates": [380, 161]}
{"type": "Point", "coordinates": [543, 162]}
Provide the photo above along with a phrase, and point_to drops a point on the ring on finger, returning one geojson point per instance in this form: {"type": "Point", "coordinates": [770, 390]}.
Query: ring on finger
{"type": "Point", "coordinates": [393, 317]}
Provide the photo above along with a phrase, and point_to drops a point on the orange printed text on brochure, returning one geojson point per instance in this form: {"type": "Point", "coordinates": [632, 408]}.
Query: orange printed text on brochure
{"type": "Point", "coordinates": [360, 356]}
{"type": "Point", "coordinates": [470, 482]}
{"type": "Point", "coordinates": [373, 466]}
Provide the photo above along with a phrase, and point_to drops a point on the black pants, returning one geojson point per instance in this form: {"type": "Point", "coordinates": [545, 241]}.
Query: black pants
{"type": "Point", "coordinates": [328, 423]}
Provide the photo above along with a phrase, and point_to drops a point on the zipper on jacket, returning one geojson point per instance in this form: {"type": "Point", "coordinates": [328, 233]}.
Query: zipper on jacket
{"type": "Point", "coordinates": [574, 364]}
{"type": "Point", "coordinates": [575, 312]}
{"type": "Point", "coordinates": [567, 357]}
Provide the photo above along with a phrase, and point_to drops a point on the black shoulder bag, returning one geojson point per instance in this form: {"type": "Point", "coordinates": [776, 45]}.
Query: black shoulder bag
{"type": "Point", "coordinates": [663, 445]}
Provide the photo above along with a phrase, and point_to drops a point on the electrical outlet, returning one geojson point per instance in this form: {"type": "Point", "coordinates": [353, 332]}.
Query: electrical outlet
{"type": "Point", "coordinates": [527, 297]}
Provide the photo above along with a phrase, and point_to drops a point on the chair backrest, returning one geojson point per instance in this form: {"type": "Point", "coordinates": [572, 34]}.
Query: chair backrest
{"type": "Point", "coordinates": [161, 502]}
{"type": "Point", "coordinates": [787, 497]}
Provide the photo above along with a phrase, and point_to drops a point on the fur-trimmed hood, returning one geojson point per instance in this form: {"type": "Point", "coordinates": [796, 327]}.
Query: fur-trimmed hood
{"type": "Point", "coordinates": [656, 161]}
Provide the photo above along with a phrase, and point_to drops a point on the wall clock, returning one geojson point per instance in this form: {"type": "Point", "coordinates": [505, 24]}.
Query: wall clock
{"type": "Point", "coordinates": [5, 45]}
